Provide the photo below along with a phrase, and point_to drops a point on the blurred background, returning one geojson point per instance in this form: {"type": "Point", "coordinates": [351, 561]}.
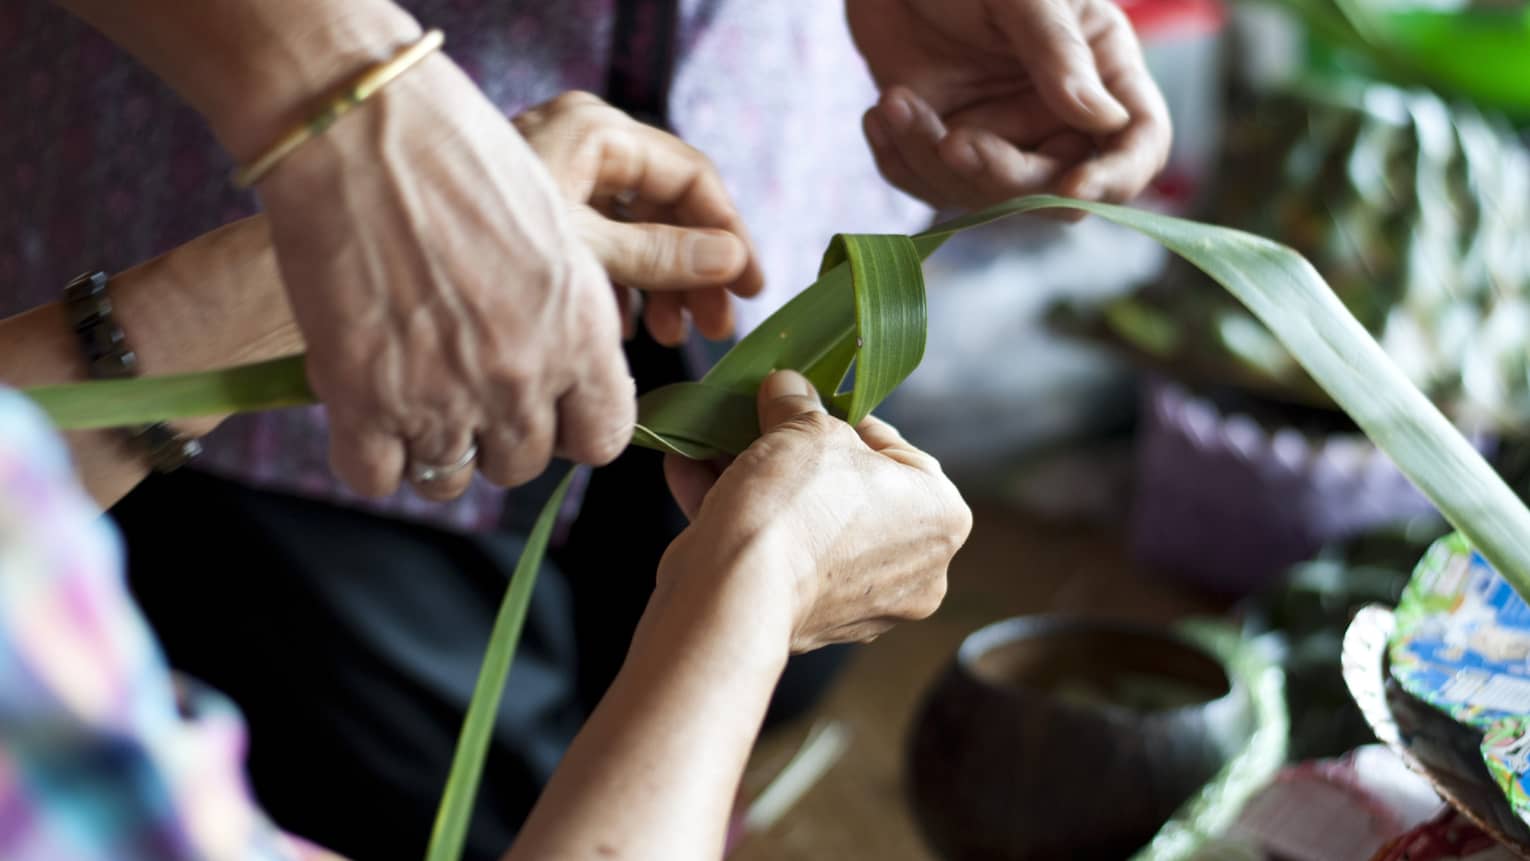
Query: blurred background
{"type": "Point", "coordinates": [1139, 448]}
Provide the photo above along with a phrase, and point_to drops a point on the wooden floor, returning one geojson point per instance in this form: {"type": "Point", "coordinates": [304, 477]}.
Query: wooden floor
{"type": "Point", "coordinates": [1012, 565]}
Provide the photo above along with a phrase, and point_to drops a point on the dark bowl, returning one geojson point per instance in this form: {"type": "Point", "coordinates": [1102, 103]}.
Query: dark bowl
{"type": "Point", "coordinates": [1051, 738]}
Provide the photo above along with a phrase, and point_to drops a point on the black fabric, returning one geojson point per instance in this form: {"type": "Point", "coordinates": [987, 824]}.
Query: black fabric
{"type": "Point", "coordinates": [351, 642]}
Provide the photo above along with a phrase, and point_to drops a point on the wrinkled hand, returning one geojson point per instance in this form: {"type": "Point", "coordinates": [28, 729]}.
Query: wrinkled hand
{"type": "Point", "coordinates": [845, 531]}
{"type": "Point", "coordinates": [983, 100]}
{"type": "Point", "coordinates": [679, 238]}
{"type": "Point", "coordinates": [445, 296]}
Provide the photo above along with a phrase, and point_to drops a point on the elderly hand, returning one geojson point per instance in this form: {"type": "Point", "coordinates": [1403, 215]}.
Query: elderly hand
{"type": "Point", "coordinates": [833, 533]}
{"type": "Point", "coordinates": [446, 298]}
{"type": "Point", "coordinates": [689, 247]}
{"type": "Point", "coordinates": [983, 100]}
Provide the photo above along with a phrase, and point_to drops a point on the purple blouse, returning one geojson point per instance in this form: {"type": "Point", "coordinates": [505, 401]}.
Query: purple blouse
{"type": "Point", "coordinates": [102, 167]}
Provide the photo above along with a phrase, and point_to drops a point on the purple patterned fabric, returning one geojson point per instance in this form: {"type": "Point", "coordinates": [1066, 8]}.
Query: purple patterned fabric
{"type": "Point", "coordinates": [101, 167]}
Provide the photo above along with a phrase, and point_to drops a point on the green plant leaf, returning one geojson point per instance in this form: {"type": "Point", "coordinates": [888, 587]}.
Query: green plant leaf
{"type": "Point", "coordinates": [456, 811]}
{"type": "Point", "coordinates": [122, 403]}
{"type": "Point", "coordinates": [1283, 290]}
{"type": "Point", "coordinates": [867, 309]}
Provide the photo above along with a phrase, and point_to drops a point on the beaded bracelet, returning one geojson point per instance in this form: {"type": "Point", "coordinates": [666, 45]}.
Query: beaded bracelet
{"type": "Point", "coordinates": [108, 357]}
{"type": "Point", "coordinates": [360, 90]}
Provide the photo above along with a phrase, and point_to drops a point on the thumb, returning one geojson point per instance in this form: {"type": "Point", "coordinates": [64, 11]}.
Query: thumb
{"type": "Point", "coordinates": [663, 256]}
{"type": "Point", "coordinates": [785, 395]}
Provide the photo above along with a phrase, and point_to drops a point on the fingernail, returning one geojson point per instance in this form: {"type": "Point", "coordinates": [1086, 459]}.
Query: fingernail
{"type": "Point", "coordinates": [787, 384]}
{"type": "Point", "coordinates": [1093, 98]}
{"type": "Point", "coordinates": [715, 255]}
{"type": "Point", "coordinates": [899, 113]}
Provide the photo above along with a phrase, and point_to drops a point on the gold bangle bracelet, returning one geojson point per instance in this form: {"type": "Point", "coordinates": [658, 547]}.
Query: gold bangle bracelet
{"type": "Point", "coordinates": [360, 90]}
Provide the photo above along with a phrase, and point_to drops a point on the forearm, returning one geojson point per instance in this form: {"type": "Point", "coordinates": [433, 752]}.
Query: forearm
{"type": "Point", "coordinates": [253, 68]}
{"type": "Point", "coordinates": [654, 772]}
{"type": "Point", "coordinates": [174, 322]}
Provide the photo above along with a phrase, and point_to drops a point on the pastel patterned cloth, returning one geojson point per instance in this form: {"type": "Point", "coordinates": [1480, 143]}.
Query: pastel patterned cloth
{"type": "Point", "coordinates": [105, 755]}
{"type": "Point", "coordinates": [101, 167]}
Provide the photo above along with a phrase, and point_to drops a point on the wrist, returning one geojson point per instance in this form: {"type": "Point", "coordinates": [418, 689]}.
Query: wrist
{"type": "Point", "coordinates": [745, 586]}
{"type": "Point", "coordinates": [212, 303]}
{"type": "Point", "coordinates": [283, 80]}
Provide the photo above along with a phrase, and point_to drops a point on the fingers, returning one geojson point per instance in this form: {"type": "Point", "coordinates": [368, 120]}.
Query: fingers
{"type": "Point", "coordinates": [904, 133]}
{"type": "Point", "coordinates": [449, 453]}
{"type": "Point", "coordinates": [662, 256]}
{"type": "Point", "coordinates": [368, 460]}
{"type": "Point", "coordinates": [1084, 120]}
{"type": "Point", "coordinates": [629, 305]}
{"type": "Point", "coordinates": [973, 165]}
{"type": "Point", "coordinates": [596, 415]}
{"type": "Point", "coordinates": [515, 451]}
{"type": "Point", "coordinates": [1049, 42]}
{"type": "Point", "coordinates": [664, 317]}
{"type": "Point", "coordinates": [1130, 158]}
{"type": "Point", "coordinates": [598, 152]}
{"type": "Point", "coordinates": [784, 396]}
{"type": "Point", "coordinates": [689, 480]}
{"type": "Point", "coordinates": [1002, 170]}
{"type": "Point", "coordinates": [712, 312]}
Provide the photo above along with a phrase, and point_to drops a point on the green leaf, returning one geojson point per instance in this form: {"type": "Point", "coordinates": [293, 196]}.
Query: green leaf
{"type": "Point", "coordinates": [456, 810]}
{"type": "Point", "coordinates": [867, 308]}
{"type": "Point", "coordinates": [889, 315]}
{"type": "Point", "coordinates": [1283, 290]}
{"type": "Point", "coordinates": [119, 403]}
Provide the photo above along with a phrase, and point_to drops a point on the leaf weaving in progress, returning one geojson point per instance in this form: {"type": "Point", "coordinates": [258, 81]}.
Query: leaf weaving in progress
{"type": "Point", "coordinates": [866, 311]}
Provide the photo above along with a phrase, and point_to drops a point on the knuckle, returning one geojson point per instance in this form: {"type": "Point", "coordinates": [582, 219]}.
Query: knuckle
{"type": "Point", "coordinates": [600, 439]}
{"type": "Point", "coordinates": [958, 527]}
{"type": "Point", "coordinates": [1113, 16]}
{"type": "Point", "coordinates": [512, 374]}
{"type": "Point", "coordinates": [574, 100]}
{"type": "Point", "coordinates": [601, 446]}
{"type": "Point", "coordinates": [596, 323]}
{"type": "Point", "coordinates": [656, 257]}
{"type": "Point", "coordinates": [817, 424]}
{"type": "Point", "coordinates": [930, 598]}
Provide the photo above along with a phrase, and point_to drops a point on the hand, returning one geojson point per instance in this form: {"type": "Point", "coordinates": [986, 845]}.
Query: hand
{"type": "Point", "coordinates": [690, 248]}
{"type": "Point", "coordinates": [841, 531]}
{"type": "Point", "coordinates": [983, 100]}
{"type": "Point", "coordinates": [444, 294]}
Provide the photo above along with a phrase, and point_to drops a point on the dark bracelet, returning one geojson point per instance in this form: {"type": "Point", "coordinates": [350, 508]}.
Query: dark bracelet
{"type": "Point", "coordinates": [108, 357]}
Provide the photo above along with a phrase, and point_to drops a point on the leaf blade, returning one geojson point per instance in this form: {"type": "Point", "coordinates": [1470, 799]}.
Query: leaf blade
{"type": "Point", "coordinates": [449, 833]}
{"type": "Point", "coordinates": [1283, 290]}
{"type": "Point", "coordinates": [121, 403]}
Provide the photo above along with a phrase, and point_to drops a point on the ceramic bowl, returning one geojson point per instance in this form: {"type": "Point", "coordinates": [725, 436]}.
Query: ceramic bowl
{"type": "Point", "coordinates": [1049, 738]}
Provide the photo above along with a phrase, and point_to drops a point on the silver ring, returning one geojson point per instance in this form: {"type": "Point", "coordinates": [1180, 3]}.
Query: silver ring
{"type": "Point", "coordinates": [421, 473]}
